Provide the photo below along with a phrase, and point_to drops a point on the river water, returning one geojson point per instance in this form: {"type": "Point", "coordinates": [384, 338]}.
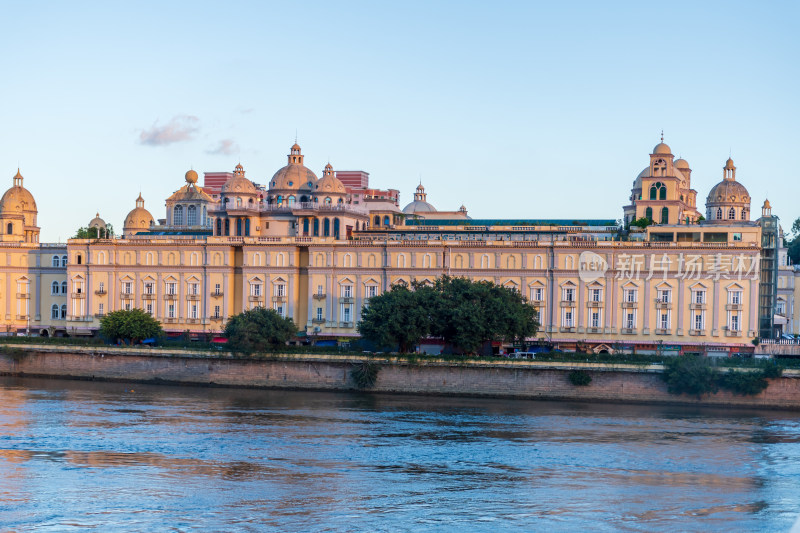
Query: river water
{"type": "Point", "coordinates": [121, 457]}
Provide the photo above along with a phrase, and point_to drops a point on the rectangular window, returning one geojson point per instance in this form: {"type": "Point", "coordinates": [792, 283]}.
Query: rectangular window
{"type": "Point", "coordinates": [734, 322]}
{"type": "Point", "coordinates": [127, 287]}
{"type": "Point", "coordinates": [569, 295]}
{"type": "Point", "coordinates": [149, 287]}
{"type": "Point", "coordinates": [102, 287]}
{"type": "Point", "coordinates": [193, 311]}
{"type": "Point", "coordinates": [630, 320]}
{"type": "Point", "coordinates": [280, 290]}
{"type": "Point", "coordinates": [171, 310]}
{"type": "Point", "coordinates": [664, 296]}
{"type": "Point", "coordinates": [172, 288]}
{"type": "Point", "coordinates": [663, 320]}
{"type": "Point", "coordinates": [319, 313]}
{"type": "Point", "coordinates": [538, 295]}
{"type": "Point", "coordinates": [595, 322]}
{"type": "Point", "coordinates": [699, 297]}
{"type": "Point", "coordinates": [149, 308]}
{"type": "Point", "coordinates": [101, 309]}
{"type": "Point", "coordinates": [735, 297]}
{"type": "Point", "coordinates": [279, 310]}
{"type": "Point", "coordinates": [194, 289]}
{"type": "Point", "coordinates": [595, 295]}
{"type": "Point", "coordinates": [346, 313]}
{"type": "Point", "coordinates": [320, 290]}
{"type": "Point", "coordinates": [256, 289]}
{"type": "Point", "coordinates": [127, 305]}
{"type": "Point", "coordinates": [698, 321]}
{"type": "Point", "coordinates": [217, 289]}
{"type": "Point", "coordinates": [630, 295]}
{"type": "Point", "coordinates": [347, 292]}
{"type": "Point", "coordinates": [567, 319]}
{"type": "Point", "coordinates": [216, 311]}
{"type": "Point", "coordinates": [372, 291]}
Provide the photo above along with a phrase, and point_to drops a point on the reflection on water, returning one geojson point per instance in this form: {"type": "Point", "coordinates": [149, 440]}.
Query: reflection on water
{"type": "Point", "coordinates": [76, 455]}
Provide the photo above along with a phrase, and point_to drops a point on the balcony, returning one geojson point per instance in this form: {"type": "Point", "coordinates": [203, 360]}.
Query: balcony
{"type": "Point", "coordinates": [279, 299]}
{"type": "Point", "coordinates": [148, 296]}
{"type": "Point", "coordinates": [126, 296]}
{"type": "Point", "coordinates": [216, 318]}
{"type": "Point", "coordinates": [172, 320]}
{"type": "Point", "coordinates": [567, 303]}
{"type": "Point", "coordinates": [192, 320]}
{"type": "Point", "coordinates": [628, 331]}
{"type": "Point", "coordinates": [345, 324]}
{"type": "Point", "coordinates": [346, 300]}
{"type": "Point", "coordinates": [100, 292]}
{"type": "Point", "coordinates": [594, 304]}
{"type": "Point", "coordinates": [537, 303]}
{"type": "Point", "coordinates": [170, 296]}
{"type": "Point", "coordinates": [78, 295]}
{"type": "Point", "coordinates": [319, 296]}
{"type": "Point", "coordinates": [317, 320]}
{"type": "Point", "coordinates": [663, 304]}
{"type": "Point", "coordinates": [23, 317]}
{"type": "Point", "coordinates": [662, 331]}
{"type": "Point", "coordinates": [99, 315]}
{"type": "Point", "coordinates": [698, 306]}
{"type": "Point", "coordinates": [216, 294]}
{"type": "Point", "coordinates": [733, 307]}
{"type": "Point", "coordinates": [23, 295]}
{"type": "Point", "coordinates": [629, 305]}
{"type": "Point", "coordinates": [594, 330]}
{"type": "Point", "coordinates": [732, 332]}
{"type": "Point", "coordinates": [255, 298]}
{"type": "Point", "coordinates": [566, 329]}
{"type": "Point", "coordinates": [79, 318]}
{"type": "Point", "coordinates": [192, 296]}
{"type": "Point", "coordinates": [697, 332]}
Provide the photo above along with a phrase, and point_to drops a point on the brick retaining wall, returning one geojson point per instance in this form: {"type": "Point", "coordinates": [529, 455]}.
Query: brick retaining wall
{"type": "Point", "coordinates": [518, 379]}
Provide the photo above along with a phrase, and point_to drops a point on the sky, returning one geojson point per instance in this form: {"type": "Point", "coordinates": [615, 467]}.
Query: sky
{"type": "Point", "coordinates": [514, 109]}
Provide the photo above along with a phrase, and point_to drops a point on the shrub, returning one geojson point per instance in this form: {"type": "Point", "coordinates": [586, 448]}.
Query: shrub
{"type": "Point", "coordinates": [259, 329]}
{"type": "Point", "coordinates": [743, 383]}
{"type": "Point", "coordinates": [365, 375]}
{"type": "Point", "coordinates": [579, 378]}
{"type": "Point", "coordinates": [690, 374]}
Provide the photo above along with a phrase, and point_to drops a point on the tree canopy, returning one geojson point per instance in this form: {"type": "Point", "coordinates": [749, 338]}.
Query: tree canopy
{"type": "Point", "coordinates": [463, 313]}
{"type": "Point", "coordinates": [793, 242]}
{"type": "Point", "coordinates": [130, 325]}
{"type": "Point", "coordinates": [94, 233]}
{"type": "Point", "coordinates": [258, 329]}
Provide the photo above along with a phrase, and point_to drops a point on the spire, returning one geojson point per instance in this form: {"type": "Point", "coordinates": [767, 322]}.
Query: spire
{"type": "Point", "coordinates": [140, 201]}
{"type": "Point", "coordinates": [662, 135]}
{"type": "Point", "coordinates": [18, 179]}
{"type": "Point", "coordinates": [729, 170]}
{"type": "Point", "coordinates": [295, 154]}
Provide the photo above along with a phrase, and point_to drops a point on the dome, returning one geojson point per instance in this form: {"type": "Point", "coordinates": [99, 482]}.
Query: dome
{"type": "Point", "coordinates": [191, 177]}
{"type": "Point", "coordinates": [728, 191]}
{"type": "Point", "coordinates": [682, 164]}
{"type": "Point", "coordinates": [238, 184]}
{"type": "Point", "coordinates": [97, 222]}
{"type": "Point", "coordinates": [662, 148]}
{"type": "Point", "coordinates": [139, 218]}
{"type": "Point", "coordinates": [293, 176]}
{"type": "Point", "coordinates": [17, 199]}
{"type": "Point", "coordinates": [329, 183]}
{"type": "Point", "coordinates": [418, 206]}
{"type": "Point", "coordinates": [729, 164]}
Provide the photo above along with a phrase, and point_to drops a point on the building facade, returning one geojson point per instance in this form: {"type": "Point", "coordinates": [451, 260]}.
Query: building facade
{"type": "Point", "coordinates": [305, 249]}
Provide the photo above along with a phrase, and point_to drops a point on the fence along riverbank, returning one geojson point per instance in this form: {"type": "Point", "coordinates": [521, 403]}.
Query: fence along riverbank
{"type": "Point", "coordinates": [611, 382]}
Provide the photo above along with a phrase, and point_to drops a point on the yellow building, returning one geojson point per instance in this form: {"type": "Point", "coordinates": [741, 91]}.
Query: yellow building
{"type": "Point", "coordinates": [304, 249]}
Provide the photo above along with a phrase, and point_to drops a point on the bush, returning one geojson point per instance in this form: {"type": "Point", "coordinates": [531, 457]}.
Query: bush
{"type": "Point", "coordinates": [130, 325]}
{"type": "Point", "coordinates": [257, 330]}
{"type": "Point", "coordinates": [579, 378]}
{"type": "Point", "coordinates": [365, 375]}
{"type": "Point", "coordinates": [690, 374]}
{"type": "Point", "coordinates": [743, 383]}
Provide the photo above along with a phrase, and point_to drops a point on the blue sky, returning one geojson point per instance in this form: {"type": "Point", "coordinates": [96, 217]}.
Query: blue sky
{"type": "Point", "coordinates": [515, 109]}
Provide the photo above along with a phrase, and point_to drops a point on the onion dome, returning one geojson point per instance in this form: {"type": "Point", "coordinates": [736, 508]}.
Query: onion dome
{"type": "Point", "coordinates": [294, 176]}
{"type": "Point", "coordinates": [17, 199]}
{"type": "Point", "coordinates": [139, 218]}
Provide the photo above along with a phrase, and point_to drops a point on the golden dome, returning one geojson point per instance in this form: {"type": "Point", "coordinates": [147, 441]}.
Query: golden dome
{"type": "Point", "coordinates": [662, 148]}
{"type": "Point", "coordinates": [294, 176]}
{"type": "Point", "coordinates": [139, 218]}
{"type": "Point", "coordinates": [238, 184]}
{"type": "Point", "coordinates": [191, 177]}
{"type": "Point", "coordinates": [97, 222]}
{"type": "Point", "coordinates": [17, 199]}
{"type": "Point", "coordinates": [329, 183]}
{"type": "Point", "coordinates": [682, 164]}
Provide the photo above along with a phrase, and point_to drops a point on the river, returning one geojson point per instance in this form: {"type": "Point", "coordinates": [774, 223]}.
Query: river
{"type": "Point", "coordinates": [120, 457]}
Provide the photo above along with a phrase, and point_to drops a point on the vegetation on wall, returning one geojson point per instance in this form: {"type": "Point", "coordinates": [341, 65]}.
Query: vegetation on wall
{"type": "Point", "coordinates": [94, 233]}
{"type": "Point", "coordinates": [462, 312]}
{"type": "Point", "coordinates": [694, 375]}
{"type": "Point", "coordinates": [641, 222]}
{"type": "Point", "coordinates": [257, 330]}
{"type": "Point", "coordinates": [580, 378]}
{"type": "Point", "coordinates": [131, 326]}
{"type": "Point", "coordinates": [365, 374]}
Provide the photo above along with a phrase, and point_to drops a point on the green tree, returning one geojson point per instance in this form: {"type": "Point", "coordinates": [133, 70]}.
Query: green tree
{"type": "Point", "coordinates": [94, 233]}
{"type": "Point", "coordinates": [793, 242]}
{"type": "Point", "coordinates": [394, 317]}
{"type": "Point", "coordinates": [131, 326]}
{"type": "Point", "coordinates": [641, 222]}
{"type": "Point", "coordinates": [258, 329]}
{"type": "Point", "coordinates": [690, 374]}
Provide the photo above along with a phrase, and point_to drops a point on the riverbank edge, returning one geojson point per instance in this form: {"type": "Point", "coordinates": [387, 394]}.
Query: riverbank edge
{"type": "Point", "coordinates": [522, 379]}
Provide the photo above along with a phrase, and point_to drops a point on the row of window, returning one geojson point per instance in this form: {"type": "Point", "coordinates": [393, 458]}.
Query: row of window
{"type": "Point", "coordinates": [663, 319]}
{"type": "Point", "coordinates": [718, 214]}
{"type": "Point", "coordinates": [632, 295]}
{"type": "Point", "coordinates": [191, 215]}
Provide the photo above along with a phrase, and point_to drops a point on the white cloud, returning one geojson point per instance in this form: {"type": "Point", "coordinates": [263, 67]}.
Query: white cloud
{"type": "Point", "coordinates": [225, 147]}
{"type": "Point", "coordinates": [181, 128]}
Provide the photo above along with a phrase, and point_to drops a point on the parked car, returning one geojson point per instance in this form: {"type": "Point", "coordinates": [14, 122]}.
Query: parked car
{"type": "Point", "coordinates": [523, 355]}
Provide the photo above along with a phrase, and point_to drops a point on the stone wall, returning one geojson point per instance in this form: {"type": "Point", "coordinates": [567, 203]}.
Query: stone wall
{"type": "Point", "coordinates": [517, 379]}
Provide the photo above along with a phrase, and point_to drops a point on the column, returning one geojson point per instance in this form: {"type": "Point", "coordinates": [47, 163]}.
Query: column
{"type": "Point", "coordinates": [715, 312]}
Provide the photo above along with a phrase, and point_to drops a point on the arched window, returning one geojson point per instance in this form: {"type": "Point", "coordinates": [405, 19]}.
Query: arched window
{"type": "Point", "coordinates": [10, 228]}
{"type": "Point", "coordinates": [54, 312]}
{"type": "Point", "coordinates": [731, 214]}
{"type": "Point", "coordinates": [191, 215]}
{"type": "Point", "coordinates": [305, 227]}
{"type": "Point", "coordinates": [291, 200]}
{"type": "Point", "coordinates": [658, 191]}
{"type": "Point", "coordinates": [238, 227]}
{"type": "Point", "coordinates": [648, 213]}
{"type": "Point", "coordinates": [279, 200]}
{"type": "Point", "coordinates": [386, 220]}
{"type": "Point", "coordinates": [54, 288]}
{"type": "Point", "coordinates": [664, 215]}
{"type": "Point", "coordinates": [327, 200]}
{"type": "Point", "coordinates": [63, 287]}
{"type": "Point", "coordinates": [55, 261]}
{"type": "Point", "coordinates": [335, 228]}
{"type": "Point", "coordinates": [719, 213]}
{"type": "Point", "coordinates": [316, 227]}
{"type": "Point", "coordinates": [326, 228]}
{"type": "Point", "coordinates": [64, 311]}
{"type": "Point", "coordinates": [219, 226]}
{"type": "Point", "coordinates": [744, 214]}
{"type": "Point", "coordinates": [177, 215]}
{"type": "Point", "coordinates": [203, 221]}
{"type": "Point", "coordinates": [63, 260]}
{"type": "Point", "coordinates": [377, 221]}
{"type": "Point", "coordinates": [238, 202]}
{"type": "Point", "coordinates": [78, 259]}
{"type": "Point", "coordinates": [247, 227]}
{"type": "Point", "coordinates": [227, 227]}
